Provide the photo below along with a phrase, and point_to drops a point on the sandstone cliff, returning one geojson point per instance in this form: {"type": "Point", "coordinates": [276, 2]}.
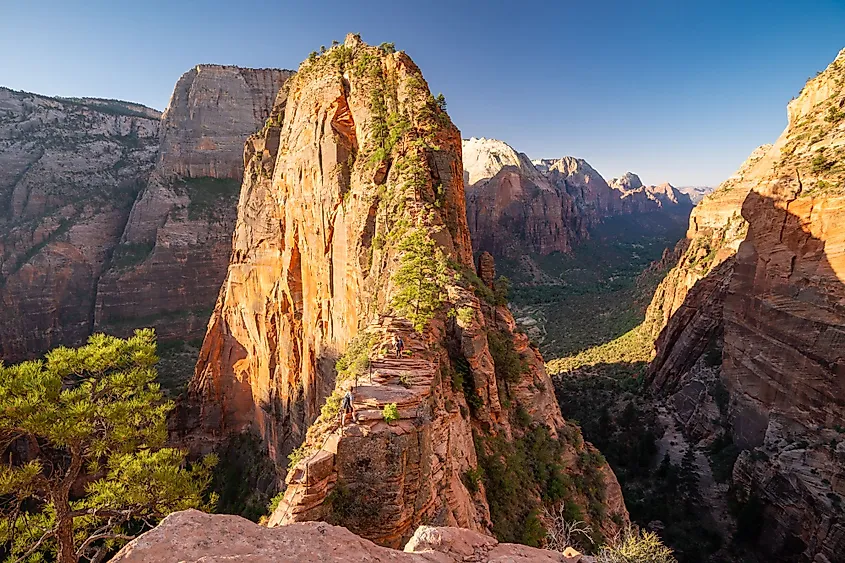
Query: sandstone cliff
{"type": "Point", "coordinates": [358, 176]}
{"type": "Point", "coordinates": [69, 172]}
{"type": "Point", "coordinates": [113, 216]}
{"type": "Point", "coordinates": [194, 536]}
{"type": "Point", "coordinates": [770, 302]}
{"type": "Point", "coordinates": [516, 205]}
{"type": "Point", "coordinates": [512, 207]}
{"type": "Point", "coordinates": [175, 247]}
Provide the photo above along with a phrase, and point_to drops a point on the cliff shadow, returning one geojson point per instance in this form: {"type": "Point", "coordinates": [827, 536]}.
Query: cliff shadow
{"type": "Point", "coordinates": [771, 321]}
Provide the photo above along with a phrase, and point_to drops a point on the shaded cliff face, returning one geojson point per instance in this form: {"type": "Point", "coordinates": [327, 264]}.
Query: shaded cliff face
{"type": "Point", "coordinates": [174, 249]}
{"type": "Point", "coordinates": [360, 164]}
{"type": "Point", "coordinates": [775, 313]}
{"type": "Point", "coordinates": [69, 173]}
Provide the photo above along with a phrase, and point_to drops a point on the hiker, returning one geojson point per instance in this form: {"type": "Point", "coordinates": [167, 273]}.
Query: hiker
{"type": "Point", "coordinates": [346, 408]}
{"type": "Point", "coordinates": [400, 345]}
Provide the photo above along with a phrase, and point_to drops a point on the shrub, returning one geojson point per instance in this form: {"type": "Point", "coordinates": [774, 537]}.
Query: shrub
{"type": "Point", "coordinates": [820, 163]}
{"type": "Point", "coordinates": [390, 413]}
{"type": "Point", "coordinates": [509, 365]}
{"type": "Point", "coordinates": [465, 315]}
{"type": "Point", "coordinates": [471, 479]}
{"type": "Point", "coordinates": [331, 407]}
{"type": "Point", "coordinates": [274, 502]}
{"type": "Point", "coordinates": [636, 546]}
{"type": "Point", "coordinates": [356, 360]}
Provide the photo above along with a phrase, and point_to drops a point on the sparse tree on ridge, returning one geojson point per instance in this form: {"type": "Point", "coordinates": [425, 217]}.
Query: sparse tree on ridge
{"type": "Point", "coordinates": [84, 468]}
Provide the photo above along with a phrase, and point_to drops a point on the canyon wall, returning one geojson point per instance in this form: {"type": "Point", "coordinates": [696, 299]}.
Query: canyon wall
{"type": "Point", "coordinates": [175, 247]}
{"type": "Point", "coordinates": [352, 198]}
{"type": "Point", "coordinates": [116, 217]}
{"type": "Point", "coordinates": [769, 302]}
{"type": "Point", "coordinates": [516, 205]}
{"type": "Point", "coordinates": [69, 173]}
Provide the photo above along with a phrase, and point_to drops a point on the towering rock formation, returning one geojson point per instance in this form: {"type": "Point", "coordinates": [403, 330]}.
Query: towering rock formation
{"type": "Point", "coordinates": [512, 207]}
{"type": "Point", "coordinates": [174, 250]}
{"type": "Point", "coordinates": [111, 219]}
{"type": "Point", "coordinates": [545, 206]}
{"type": "Point", "coordinates": [775, 311]}
{"type": "Point", "coordinates": [69, 172]}
{"type": "Point", "coordinates": [353, 197]}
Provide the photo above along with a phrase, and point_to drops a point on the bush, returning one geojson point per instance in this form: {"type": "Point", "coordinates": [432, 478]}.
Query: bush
{"type": "Point", "coordinates": [509, 365]}
{"type": "Point", "coordinates": [390, 413]}
{"type": "Point", "coordinates": [636, 546]}
{"type": "Point", "coordinates": [356, 360]}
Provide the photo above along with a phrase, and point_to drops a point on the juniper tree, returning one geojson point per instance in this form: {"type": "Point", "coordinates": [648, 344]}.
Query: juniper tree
{"type": "Point", "coordinates": [84, 466]}
{"type": "Point", "coordinates": [421, 279]}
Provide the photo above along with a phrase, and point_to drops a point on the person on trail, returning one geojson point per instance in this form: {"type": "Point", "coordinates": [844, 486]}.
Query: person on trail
{"type": "Point", "coordinates": [400, 345]}
{"type": "Point", "coordinates": [346, 407]}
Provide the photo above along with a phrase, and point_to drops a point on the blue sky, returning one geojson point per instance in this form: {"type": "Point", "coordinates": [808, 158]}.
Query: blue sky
{"type": "Point", "coordinates": [676, 91]}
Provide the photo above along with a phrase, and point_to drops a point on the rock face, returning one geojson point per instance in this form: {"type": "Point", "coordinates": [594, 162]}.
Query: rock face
{"type": "Point", "coordinates": [361, 159]}
{"type": "Point", "coordinates": [113, 216]}
{"type": "Point", "coordinates": [771, 299]}
{"type": "Point", "coordinates": [544, 206]}
{"type": "Point", "coordinates": [512, 207]}
{"type": "Point", "coordinates": [174, 250]}
{"type": "Point", "coordinates": [194, 536]}
{"type": "Point", "coordinates": [69, 173]}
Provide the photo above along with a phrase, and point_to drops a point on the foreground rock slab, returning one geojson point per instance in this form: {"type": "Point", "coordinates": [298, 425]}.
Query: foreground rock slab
{"type": "Point", "coordinates": [196, 536]}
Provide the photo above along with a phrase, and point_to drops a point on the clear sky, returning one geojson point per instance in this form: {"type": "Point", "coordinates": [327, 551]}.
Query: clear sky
{"type": "Point", "coordinates": [674, 90]}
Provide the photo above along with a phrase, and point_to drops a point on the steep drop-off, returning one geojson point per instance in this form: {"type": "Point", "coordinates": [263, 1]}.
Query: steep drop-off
{"type": "Point", "coordinates": [352, 198]}
{"type": "Point", "coordinates": [114, 217]}
{"type": "Point", "coordinates": [70, 170]}
{"type": "Point", "coordinates": [174, 250]}
{"type": "Point", "coordinates": [775, 314]}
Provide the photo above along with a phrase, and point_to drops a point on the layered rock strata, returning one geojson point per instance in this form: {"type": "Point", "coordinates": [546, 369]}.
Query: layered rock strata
{"type": "Point", "coordinates": [69, 173]}
{"type": "Point", "coordinates": [175, 247]}
{"type": "Point", "coordinates": [516, 205]}
{"type": "Point", "coordinates": [114, 217]}
{"type": "Point", "coordinates": [777, 300]}
{"type": "Point", "coordinates": [361, 162]}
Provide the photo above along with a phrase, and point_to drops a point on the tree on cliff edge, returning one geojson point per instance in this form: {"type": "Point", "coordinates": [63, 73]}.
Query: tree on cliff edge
{"type": "Point", "coordinates": [421, 279]}
{"type": "Point", "coordinates": [83, 463]}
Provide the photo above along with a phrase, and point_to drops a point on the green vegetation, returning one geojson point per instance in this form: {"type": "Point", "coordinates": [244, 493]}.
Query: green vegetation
{"type": "Point", "coordinates": [245, 477]}
{"type": "Point", "coordinates": [598, 293]}
{"type": "Point", "coordinates": [509, 365]}
{"type": "Point", "coordinates": [820, 163]}
{"type": "Point", "coordinates": [97, 416]}
{"type": "Point", "coordinates": [127, 255]}
{"type": "Point", "coordinates": [177, 360]}
{"type": "Point", "coordinates": [636, 546]}
{"type": "Point", "coordinates": [421, 279]}
{"type": "Point", "coordinates": [390, 413]}
{"type": "Point", "coordinates": [834, 114]}
{"type": "Point", "coordinates": [356, 360]}
{"type": "Point", "coordinates": [210, 198]}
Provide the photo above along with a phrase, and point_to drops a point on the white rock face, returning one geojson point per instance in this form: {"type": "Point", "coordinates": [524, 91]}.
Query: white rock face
{"type": "Point", "coordinates": [484, 158]}
{"type": "Point", "coordinates": [629, 181]}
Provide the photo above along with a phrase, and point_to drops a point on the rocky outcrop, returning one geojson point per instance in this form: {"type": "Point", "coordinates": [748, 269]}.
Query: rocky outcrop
{"type": "Point", "coordinates": [779, 291]}
{"type": "Point", "coordinates": [70, 170]}
{"type": "Point", "coordinates": [361, 175]}
{"type": "Point", "coordinates": [194, 536]}
{"type": "Point", "coordinates": [174, 249]}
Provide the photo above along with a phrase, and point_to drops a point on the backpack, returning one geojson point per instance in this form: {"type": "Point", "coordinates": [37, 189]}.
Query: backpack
{"type": "Point", "coordinates": [346, 403]}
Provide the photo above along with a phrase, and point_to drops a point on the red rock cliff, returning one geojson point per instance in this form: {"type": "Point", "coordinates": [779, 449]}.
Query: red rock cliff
{"type": "Point", "coordinates": [359, 159]}
{"type": "Point", "coordinates": [774, 310]}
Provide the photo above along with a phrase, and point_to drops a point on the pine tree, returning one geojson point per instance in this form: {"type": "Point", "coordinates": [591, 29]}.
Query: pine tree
{"type": "Point", "coordinates": [689, 478]}
{"type": "Point", "coordinates": [89, 415]}
{"type": "Point", "coordinates": [421, 279]}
